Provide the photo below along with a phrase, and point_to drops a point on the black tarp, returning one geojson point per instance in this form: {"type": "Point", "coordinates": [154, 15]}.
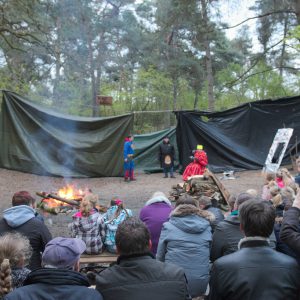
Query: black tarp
{"type": "Point", "coordinates": [147, 149]}
{"type": "Point", "coordinates": [238, 138]}
{"type": "Point", "coordinates": [37, 140]}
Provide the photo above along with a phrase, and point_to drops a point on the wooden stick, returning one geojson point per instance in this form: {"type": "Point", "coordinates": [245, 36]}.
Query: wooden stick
{"type": "Point", "coordinates": [71, 202]}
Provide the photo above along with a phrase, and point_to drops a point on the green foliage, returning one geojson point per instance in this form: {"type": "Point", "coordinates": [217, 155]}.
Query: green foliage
{"type": "Point", "coordinates": [149, 55]}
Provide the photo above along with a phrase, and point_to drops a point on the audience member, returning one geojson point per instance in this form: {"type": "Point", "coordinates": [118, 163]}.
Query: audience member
{"type": "Point", "coordinates": [137, 275]}
{"type": "Point", "coordinates": [206, 204]}
{"type": "Point", "coordinates": [277, 201]}
{"type": "Point", "coordinates": [280, 245]}
{"type": "Point", "coordinates": [22, 218]}
{"type": "Point", "coordinates": [269, 182]}
{"type": "Point", "coordinates": [227, 233]}
{"type": "Point", "coordinates": [187, 235]}
{"type": "Point", "coordinates": [279, 179]}
{"type": "Point", "coordinates": [15, 252]}
{"type": "Point", "coordinates": [88, 225]}
{"type": "Point", "coordinates": [114, 216]}
{"type": "Point", "coordinates": [155, 212]}
{"type": "Point", "coordinates": [252, 192]}
{"type": "Point", "coordinates": [59, 278]}
{"type": "Point", "coordinates": [231, 201]}
{"type": "Point", "coordinates": [255, 271]}
{"type": "Point", "coordinates": [290, 233]}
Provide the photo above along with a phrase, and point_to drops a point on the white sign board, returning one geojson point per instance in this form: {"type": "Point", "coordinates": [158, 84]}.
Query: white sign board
{"type": "Point", "coordinates": [277, 150]}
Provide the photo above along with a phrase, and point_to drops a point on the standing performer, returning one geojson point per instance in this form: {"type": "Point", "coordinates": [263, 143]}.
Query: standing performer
{"type": "Point", "coordinates": [166, 157]}
{"type": "Point", "coordinates": [128, 159]}
{"type": "Point", "coordinates": [198, 166]}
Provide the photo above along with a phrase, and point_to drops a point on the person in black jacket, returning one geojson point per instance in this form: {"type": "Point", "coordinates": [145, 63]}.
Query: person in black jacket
{"type": "Point", "coordinates": [290, 233]}
{"type": "Point", "coordinates": [166, 157]}
{"type": "Point", "coordinates": [205, 203]}
{"type": "Point", "coordinates": [255, 271]}
{"type": "Point", "coordinates": [59, 278]}
{"type": "Point", "coordinates": [137, 275]}
{"type": "Point", "coordinates": [227, 233]}
{"type": "Point", "coordinates": [22, 218]}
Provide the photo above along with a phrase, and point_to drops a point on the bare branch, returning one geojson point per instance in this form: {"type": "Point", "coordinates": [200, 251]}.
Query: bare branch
{"type": "Point", "coordinates": [257, 17]}
{"type": "Point", "coordinates": [232, 83]}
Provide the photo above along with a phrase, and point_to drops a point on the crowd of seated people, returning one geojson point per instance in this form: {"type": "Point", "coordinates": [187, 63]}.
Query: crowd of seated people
{"type": "Point", "coordinates": [189, 250]}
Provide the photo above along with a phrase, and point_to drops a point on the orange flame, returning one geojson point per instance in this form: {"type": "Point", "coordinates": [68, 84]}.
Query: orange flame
{"type": "Point", "coordinates": [68, 192]}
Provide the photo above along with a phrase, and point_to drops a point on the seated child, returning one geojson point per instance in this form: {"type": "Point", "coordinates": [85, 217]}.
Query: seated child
{"type": "Point", "coordinates": [114, 216]}
{"type": "Point", "coordinates": [89, 226]}
{"type": "Point", "coordinates": [15, 252]}
{"type": "Point", "coordinates": [269, 182]}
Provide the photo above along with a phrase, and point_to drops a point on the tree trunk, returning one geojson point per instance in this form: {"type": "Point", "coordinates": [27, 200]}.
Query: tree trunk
{"type": "Point", "coordinates": [297, 10]}
{"type": "Point", "coordinates": [281, 62]}
{"type": "Point", "coordinates": [175, 91]}
{"type": "Point", "coordinates": [208, 59]}
{"type": "Point", "coordinates": [57, 51]}
{"type": "Point", "coordinates": [92, 73]}
{"type": "Point", "coordinates": [196, 99]}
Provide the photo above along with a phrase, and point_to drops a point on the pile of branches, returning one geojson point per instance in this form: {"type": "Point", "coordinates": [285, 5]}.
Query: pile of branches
{"type": "Point", "coordinates": [202, 185]}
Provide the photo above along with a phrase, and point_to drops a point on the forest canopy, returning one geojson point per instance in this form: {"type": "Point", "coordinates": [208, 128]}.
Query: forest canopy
{"type": "Point", "coordinates": [152, 55]}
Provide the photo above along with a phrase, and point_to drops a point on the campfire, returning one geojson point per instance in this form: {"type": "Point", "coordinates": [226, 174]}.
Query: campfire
{"type": "Point", "coordinates": [64, 200]}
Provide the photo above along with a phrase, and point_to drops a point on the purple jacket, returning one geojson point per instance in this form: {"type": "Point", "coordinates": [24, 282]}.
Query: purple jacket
{"type": "Point", "coordinates": [154, 214]}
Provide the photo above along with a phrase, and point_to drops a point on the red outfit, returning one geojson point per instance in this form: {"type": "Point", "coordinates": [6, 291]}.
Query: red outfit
{"type": "Point", "coordinates": [197, 167]}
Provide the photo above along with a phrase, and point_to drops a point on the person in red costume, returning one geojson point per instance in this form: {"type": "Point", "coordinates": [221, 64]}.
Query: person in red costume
{"type": "Point", "coordinates": [198, 166]}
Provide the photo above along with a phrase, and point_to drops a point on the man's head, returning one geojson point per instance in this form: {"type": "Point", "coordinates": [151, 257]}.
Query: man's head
{"type": "Point", "coordinates": [204, 202]}
{"type": "Point", "coordinates": [63, 253]}
{"type": "Point", "coordinates": [257, 218]}
{"type": "Point", "coordinates": [241, 198]}
{"type": "Point", "coordinates": [186, 199]}
{"type": "Point", "coordinates": [166, 140]}
{"type": "Point", "coordinates": [23, 198]}
{"type": "Point", "coordinates": [130, 138]}
{"type": "Point", "coordinates": [133, 237]}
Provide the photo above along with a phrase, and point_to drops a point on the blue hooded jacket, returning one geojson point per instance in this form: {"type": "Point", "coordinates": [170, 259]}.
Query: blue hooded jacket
{"type": "Point", "coordinates": [185, 241]}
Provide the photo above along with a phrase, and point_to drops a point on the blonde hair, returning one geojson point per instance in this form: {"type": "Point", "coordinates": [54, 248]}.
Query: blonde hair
{"type": "Point", "coordinates": [276, 196]}
{"type": "Point", "coordinates": [269, 177]}
{"type": "Point", "coordinates": [252, 192]}
{"type": "Point", "coordinates": [288, 192]}
{"type": "Point", "coordinates": [86, 206]}
{"type": "Point", "coordinates": [92, 198]}
{"type": "Point", "coordinates": [15, 251]}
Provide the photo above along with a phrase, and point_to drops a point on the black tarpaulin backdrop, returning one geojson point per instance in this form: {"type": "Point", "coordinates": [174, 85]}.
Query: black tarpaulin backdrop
{"type": "Point", "coordinates": [37, 140]}
{"type": "Point", "coordinates": [239, 138]}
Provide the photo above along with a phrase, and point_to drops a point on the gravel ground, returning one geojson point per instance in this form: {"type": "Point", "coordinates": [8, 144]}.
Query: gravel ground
{"type": "Point", "coordinates": [134, 194]}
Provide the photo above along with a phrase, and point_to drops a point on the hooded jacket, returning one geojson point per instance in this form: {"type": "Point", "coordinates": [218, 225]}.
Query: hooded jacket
{"type": "Point", "coordinates": [22, 219]}
{"type": "Point", "coordinates": [227, 235]}
{"type": "Point", "coordinates": [185, 241]}
{"type": "Point", "coordinates": [154, 214]}
{"type": "Point", "coordinates": [49, 283]}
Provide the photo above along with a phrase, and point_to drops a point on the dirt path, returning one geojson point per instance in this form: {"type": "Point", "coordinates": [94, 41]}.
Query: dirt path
{"type": "Point", "coordinates": [134, 194]}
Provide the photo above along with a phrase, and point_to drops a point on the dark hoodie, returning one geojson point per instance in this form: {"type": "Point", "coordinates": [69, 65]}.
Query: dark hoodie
{"type": "Point", "coordinates": [22, 219]}
{"type": "Point", "coordinates": [227, 235]}
{"type": "Point", "coordinates": [52, 283]}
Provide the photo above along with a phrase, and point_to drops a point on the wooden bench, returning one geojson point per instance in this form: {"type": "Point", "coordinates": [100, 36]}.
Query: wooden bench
{"type": "Point", "coordinates": [103, 258]}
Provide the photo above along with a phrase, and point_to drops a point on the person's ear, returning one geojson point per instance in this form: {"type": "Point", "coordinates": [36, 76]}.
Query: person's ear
{"type": "Point", "coordinates": [77, 266]}
{"type": "Point", "coordinates": [150, 245]}
{"type": "Point", "coordinates": [241, 228]}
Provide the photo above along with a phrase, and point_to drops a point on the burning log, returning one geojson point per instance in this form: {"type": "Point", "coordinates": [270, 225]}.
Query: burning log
{"type": "Point", "coordinates": [53, 196]}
